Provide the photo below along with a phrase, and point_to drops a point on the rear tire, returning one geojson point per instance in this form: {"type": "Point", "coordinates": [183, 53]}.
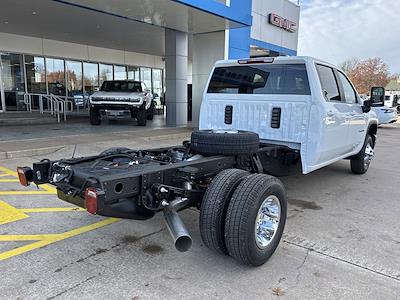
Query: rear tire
{"type": "Point", "coordinates": [258, 197]}
{"type": "Point", "coordinates": [141, 117]}
{"type": "Point", "coordinates": [360, 163]}
{"type": "Point", "coordinates": [214, 206]}
{"type": "Point", "coordinates": [94, 115]}
{"type": "Point", "coordinates": [221, 142]}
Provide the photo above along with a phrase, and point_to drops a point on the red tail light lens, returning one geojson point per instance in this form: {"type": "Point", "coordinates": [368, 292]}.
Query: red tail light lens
{"type": "Point", "coordinates": [25, 175]}
{"type": "Point", "coordinates": [91, 200]}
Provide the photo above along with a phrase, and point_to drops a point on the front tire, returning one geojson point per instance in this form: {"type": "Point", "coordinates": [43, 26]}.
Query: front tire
{"type": "Point", "coordinates": [150, 112]}
{"type": "Point", "coordinates": [141, 117]}
{"type": "Point", "coordinates": [255, 219]}
{"type": "Point", "coordinates": [94, 115]}
{"type": "Point", "coordinates": [360, 163]}
{"type": "Point", "coordinates": [214, 206]}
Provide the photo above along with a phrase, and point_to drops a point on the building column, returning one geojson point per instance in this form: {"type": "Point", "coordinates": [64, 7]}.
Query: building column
{"type": "Point", "coordinates": [207, 49]}
{"type": "Point", "coordinates": [176, 65]}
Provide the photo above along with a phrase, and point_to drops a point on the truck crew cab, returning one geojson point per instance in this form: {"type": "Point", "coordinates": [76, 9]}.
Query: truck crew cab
{"type": "Point", "coordinates": [259, 117]}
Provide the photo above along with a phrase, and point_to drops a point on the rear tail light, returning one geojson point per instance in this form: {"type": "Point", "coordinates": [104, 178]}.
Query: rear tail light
{"type": "Point", "coordinates": [91, 200]}
{"type": "Point", "coordinates": [25, 175]}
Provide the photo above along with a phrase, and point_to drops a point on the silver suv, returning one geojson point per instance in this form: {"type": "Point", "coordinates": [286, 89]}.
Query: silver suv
{"type": "Point", "coordinates": [122, 98]}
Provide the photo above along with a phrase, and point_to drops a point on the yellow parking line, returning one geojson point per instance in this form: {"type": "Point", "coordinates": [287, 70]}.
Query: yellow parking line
{"type": "Point", "coordinates": [48, 189]}
{"type": "Point", "coordinates": [9, 213]}
{"type": "Point", "coordinates": [9, 180]}
{"type": "Point", "coordinates": [50, 209]}
{"type": "Point", "coordinates": [26, 237]}
{"type": "Point", "coordinates": [4, 175]}
{"type": "Point", "coordinates": [26, 193]}
{"type": "Point", "coordinates": [8, 171]}
{"type": "Point", "coordinates": [49, 239]}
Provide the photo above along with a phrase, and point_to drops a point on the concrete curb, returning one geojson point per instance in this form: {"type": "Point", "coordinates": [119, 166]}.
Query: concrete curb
{"type": "Point", "coordinates": [29, 152]}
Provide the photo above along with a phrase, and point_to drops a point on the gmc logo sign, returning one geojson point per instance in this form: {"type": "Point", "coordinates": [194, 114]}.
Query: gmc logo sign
{"type": "Point", "coordinates": [281, 22]}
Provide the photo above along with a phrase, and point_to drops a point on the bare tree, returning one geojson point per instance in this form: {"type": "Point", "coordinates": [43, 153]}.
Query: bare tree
{"type": "Point", "coordinates": [349, 65]}
{"type": "Point", "coordinates": [367, 73]}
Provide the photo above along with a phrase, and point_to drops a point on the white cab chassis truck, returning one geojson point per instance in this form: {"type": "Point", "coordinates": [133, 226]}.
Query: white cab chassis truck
{"type": "Point", "coordinates": [304, 104]}
{"type": "Point", "coordinates": [259, 117]}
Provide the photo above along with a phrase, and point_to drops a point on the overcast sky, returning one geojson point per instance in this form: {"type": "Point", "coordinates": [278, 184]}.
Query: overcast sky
{"type": "Point", "coordinates": [336, 30]}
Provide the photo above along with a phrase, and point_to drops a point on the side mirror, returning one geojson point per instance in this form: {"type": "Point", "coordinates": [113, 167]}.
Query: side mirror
{"type": "Point", "coordinates": [366, 107]}
{"type": "Point", "coordinates": [377, 96]}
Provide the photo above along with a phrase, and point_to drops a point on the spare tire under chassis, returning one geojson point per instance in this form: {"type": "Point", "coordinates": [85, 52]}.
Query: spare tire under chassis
{"type": "Point", "coordinates": [224, 142]}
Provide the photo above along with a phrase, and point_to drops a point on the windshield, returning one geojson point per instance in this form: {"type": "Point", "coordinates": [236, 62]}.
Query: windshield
{"type": "Point", "coordinates": [261, 79]}
{"type": "Point", "coordinates": [121, 86]}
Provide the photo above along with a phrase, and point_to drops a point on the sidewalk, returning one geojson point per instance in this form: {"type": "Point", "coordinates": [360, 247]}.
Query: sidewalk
{"type": "Point", "coordinates": [32, 145]}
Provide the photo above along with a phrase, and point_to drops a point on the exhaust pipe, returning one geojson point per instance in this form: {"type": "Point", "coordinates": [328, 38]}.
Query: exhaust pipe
{"type": "Point", "coordinates": [178, 231]}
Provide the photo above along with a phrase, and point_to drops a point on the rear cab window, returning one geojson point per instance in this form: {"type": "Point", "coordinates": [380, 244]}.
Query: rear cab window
{"type": "Point", "coordinates": [285, 79]}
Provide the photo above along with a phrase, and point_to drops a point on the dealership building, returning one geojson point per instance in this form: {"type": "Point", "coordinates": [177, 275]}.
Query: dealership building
{"type": "Point", "coordinates": [69, 47]}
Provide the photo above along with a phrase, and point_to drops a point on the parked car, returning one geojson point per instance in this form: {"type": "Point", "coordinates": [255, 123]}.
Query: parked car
{"type": "Point", "coordinates": [258, 116]}
{"type": "Point", "coordinates": [385, 114]}
{"type": "Point", "coordinates": [81, 100]}
{"type": "Point", "coordinates": [157, 101]}
{"type": "Point", "coordinates": [120, 99]}
{"type": "Point", "coordinates": [392, 100]}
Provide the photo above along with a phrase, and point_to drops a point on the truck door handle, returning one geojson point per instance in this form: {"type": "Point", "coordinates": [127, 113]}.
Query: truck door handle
{"type": "Point", "coordinates": [330, 113]}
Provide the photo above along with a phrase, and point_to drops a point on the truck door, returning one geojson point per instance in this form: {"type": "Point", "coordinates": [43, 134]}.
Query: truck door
{"type": "Point", "coordinates": [334, 140]}
{"type": "Point", "coordinates": [357, 119]}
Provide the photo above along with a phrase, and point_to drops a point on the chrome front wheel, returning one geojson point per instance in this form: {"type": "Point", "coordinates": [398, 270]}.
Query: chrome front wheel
{"type": "Point", "coordinates": [368, 155]}
{"type": "Point", "coordinates": [360, 163]}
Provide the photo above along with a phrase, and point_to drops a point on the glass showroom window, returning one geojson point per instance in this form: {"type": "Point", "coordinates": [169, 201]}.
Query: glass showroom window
{"type": "Point", "coordinates": [105, 72]}
{"type": "Point", "coordinates": [35, 74]}
{"type": "Point", "coordinates": [13, 81]}
{"type": "Point", "coordinates": [157, 81]}
{"type": "Point", "coordinates": [119, 72]}
{"type": "Point", "coordinates": [133, 73]}
{"type": "Point", "coordinates": [90, 77]}
{"type": "Point", "coordinates": [55, 76]}
{"type": "Point", "coordinates": [145, 76]}
{"type": "Point", "coordinates": [74, 77]}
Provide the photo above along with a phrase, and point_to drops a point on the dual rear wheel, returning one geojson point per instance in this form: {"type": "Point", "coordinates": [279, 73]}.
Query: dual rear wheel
{"type": "Point", "coordinates": [243, 215]}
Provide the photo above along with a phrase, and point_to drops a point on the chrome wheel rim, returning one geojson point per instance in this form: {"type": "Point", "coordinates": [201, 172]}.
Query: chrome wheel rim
{"type": "Point", "coordinates": [267, 221]}
{"type": "Point", "coordinates": [368, 155]}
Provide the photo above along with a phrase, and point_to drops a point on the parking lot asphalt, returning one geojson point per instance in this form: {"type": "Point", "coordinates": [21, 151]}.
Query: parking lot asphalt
{"type": "Point", "coordinates": [342, 240]}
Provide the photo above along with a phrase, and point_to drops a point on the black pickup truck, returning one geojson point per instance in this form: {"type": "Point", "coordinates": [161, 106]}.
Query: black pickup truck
{"type": "Point", "coordinates": [242, 210]}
